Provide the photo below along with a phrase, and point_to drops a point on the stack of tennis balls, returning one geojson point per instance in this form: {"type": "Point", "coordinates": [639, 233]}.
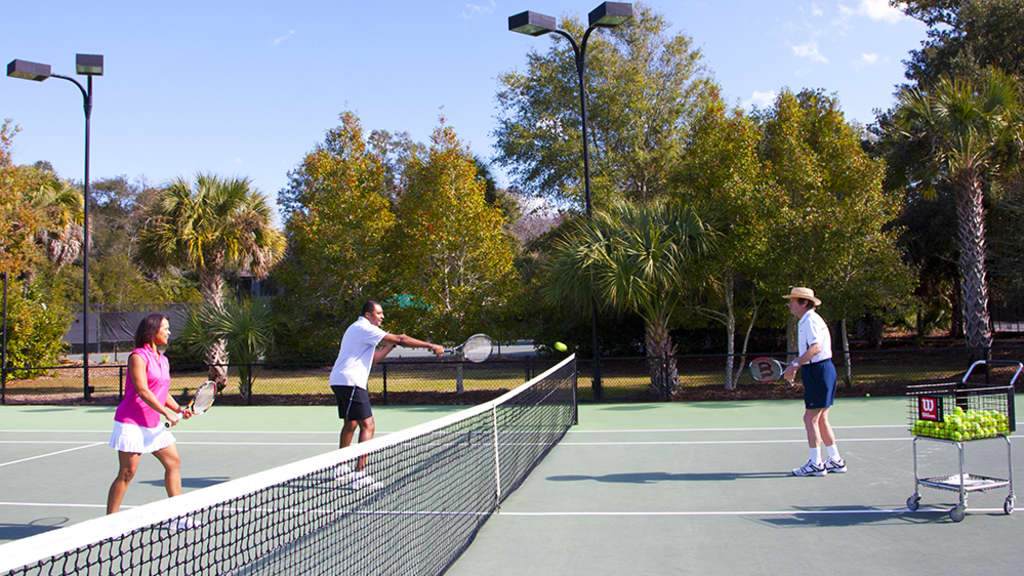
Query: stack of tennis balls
{"type": "Point", "coordinates": [965, 425]}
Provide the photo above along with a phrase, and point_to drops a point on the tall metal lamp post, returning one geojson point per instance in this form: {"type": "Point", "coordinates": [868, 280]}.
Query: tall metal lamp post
{"type": "Point", "coordinates": [607, 15]}
{"type": "Point", "coordinates": [88, 65]}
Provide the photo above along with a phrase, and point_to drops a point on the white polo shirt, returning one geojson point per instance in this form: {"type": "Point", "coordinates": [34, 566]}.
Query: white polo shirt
{"type": "Point", "coordinates": [812, 330]}
{"type": "Point", "coordinates": [355, 357]}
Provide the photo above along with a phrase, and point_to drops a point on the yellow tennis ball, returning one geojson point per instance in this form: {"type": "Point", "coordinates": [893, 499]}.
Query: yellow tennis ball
{"type": "Point", "coordinates": [868, 395]}
{"type": "Point", "coordinates": [561, 347]}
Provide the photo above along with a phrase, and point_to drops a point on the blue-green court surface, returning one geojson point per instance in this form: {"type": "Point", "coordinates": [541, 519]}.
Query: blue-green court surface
{"type": "Point", "coordinates": [660, 488]}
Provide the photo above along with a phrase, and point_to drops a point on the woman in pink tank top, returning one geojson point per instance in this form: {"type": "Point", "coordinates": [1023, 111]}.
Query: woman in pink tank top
{"type": "Point", "coordinates": [137, 426]}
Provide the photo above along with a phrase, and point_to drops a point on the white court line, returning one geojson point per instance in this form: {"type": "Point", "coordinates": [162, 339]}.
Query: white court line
{"type": "Point", "coordinates": [835, 512]}
{"type": "Point", "coordinates": [91, 445]}
{"type": "Point", "coordinates": [185, 443]}
{"type": "Point", "coordinates": [176, 431]}
{"type": "Point", "coordinates": [654, 513]}
{"type": "Point", "coordinates": [730, 429]}
{"type": "Point", "coordinates": [56, 505]}
{"type": "Point", "coordinates": [726, 442]}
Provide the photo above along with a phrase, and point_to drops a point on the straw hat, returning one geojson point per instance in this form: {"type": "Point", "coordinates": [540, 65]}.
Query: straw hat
{"type": "Point", "coordinates": [801, 292]}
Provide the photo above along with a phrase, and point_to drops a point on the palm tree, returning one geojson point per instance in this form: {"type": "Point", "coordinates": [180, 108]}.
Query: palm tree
{"type": "Point", "coordinates": [212, 227]}
{"type": "Point", "coordinates": [972, 131]}
{"type": "Point", "coordinates": [632, 258]}
{"type": "Point", "coordinates": [245, 324]}
{"type": "Point", "coordinates": [61, 235]}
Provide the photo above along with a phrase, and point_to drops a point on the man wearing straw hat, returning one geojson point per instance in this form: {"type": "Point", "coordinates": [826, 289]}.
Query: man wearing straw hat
{"type": "Point", "coordinates": [818, 375]}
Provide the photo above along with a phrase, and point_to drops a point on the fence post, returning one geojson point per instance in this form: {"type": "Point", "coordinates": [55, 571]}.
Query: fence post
{"type": "Point", "coordinates": [3, 350]}
{"type": "Point", "coordinates": [250, 384]}
{"type": "Point", "coordinates": [666, 386]}
{"type": "Point", "coordinates": [120, 382]}
{"type": "Point", "coordinates": [384, 377]}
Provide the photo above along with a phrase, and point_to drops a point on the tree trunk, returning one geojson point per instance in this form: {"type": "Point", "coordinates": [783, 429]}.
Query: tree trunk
{"type": "Point", "coordinates": [956, 325]}
{"type": "Point", "coordinates": [661, 362]}
{"type": "Point", "coordinates": [211, 286]}
{"type": "Point", "coordinates": [746, 339]}
{"type": "Point", "coordinates": [730, 333]}
{"type": "Point", "coordinates": [973, 280]}
{"type": "Point", "coordinates": [847, 361]}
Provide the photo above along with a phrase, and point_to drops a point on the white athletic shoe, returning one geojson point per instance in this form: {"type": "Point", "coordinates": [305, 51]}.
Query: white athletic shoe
{"type": "Point", "coordinates": [342, 473]}
{"type": "Point", "coordinates": [810, 469]}
{"type": "Point", "coordinates": [365, 482]}
{"type": "Point", "coordinates": [181, 523]}
{"type": "Point", "coordinates": [833, 466]}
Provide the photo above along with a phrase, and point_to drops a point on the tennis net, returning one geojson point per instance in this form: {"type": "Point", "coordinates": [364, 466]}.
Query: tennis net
{"type": "Point", "coordinates": [416, 505]}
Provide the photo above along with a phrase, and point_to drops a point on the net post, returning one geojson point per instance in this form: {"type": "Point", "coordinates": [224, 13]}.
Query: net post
{"type": "Point", "coordinates": [497, 458]}
{"type": "Point", "coordinates": [575, 397]}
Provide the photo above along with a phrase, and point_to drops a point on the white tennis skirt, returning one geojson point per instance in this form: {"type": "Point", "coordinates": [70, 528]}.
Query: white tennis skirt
{"type": "Point", "coordinates": [138, 439]}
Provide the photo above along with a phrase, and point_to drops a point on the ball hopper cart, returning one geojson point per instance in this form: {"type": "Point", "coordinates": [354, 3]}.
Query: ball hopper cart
{"type": "Point", "coordinates": [959, 414]}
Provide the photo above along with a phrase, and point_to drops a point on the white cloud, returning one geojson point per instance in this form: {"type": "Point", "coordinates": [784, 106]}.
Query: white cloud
{"type": "Point", "coordinates": [809, 51]}
{"type": "Point", "coordinates": [880, 10]}
{"type": "Point", "coordinates": [877, 10]}
{"type": "Point", "coordinates": [760, 99]}
{"type": "Point", "coordinates": [869, 58]}
{"type": "Point", "coordinates": [280, 39]}
{"type": "Point", "coordinates": [816, 10]}
{"type": "Point", "coordinates": [471, 10]}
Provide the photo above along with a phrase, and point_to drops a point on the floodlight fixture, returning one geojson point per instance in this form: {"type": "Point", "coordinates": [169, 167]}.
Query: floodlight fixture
{"type": "Point", "coordinates": [532, 23]}
{"type": "Point", "coordinates": [28, 70]}
{"type": "Point", "coordinates": [89, 64]}
{"type": "Point", "coordinates": [611, 14]}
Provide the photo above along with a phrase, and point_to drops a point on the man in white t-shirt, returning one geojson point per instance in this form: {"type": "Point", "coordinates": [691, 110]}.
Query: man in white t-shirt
{"type": "Point", "coordinates": [351, 372]}
{"type": "Point", "coordinates": [818, 375]}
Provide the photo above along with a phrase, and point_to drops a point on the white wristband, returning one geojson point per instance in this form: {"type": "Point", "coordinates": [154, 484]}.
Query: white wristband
{"type": "Point", "coordinates": [795, 363]}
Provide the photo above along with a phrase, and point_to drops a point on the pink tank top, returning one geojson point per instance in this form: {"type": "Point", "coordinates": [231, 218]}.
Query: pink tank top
{"type": "Point", "coordinates": [132, 409]}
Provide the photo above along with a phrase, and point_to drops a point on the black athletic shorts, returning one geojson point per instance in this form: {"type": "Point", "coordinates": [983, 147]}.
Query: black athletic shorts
{"type": "Point", "coordinates": [353, 403]}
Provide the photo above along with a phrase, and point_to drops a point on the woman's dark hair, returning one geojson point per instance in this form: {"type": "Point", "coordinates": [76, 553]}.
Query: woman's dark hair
{"type": "Point", "coordinates": [147, 329]}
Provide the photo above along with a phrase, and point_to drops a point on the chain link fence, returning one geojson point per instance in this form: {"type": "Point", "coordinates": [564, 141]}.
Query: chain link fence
{"type": "Point", "coordinates": [446, 381]}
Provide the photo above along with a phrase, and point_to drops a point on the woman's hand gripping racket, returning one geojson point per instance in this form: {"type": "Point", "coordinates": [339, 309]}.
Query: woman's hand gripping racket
{"type": "Point", "coordinates": [476, 348]}
{"type": "Point", "coordinates": [767, 370]}
{"type": "Point", "coordinates": [202, 400]}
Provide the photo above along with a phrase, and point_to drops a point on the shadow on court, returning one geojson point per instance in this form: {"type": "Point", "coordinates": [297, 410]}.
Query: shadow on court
{"type": "Point", "coordinates": [654, 477]}
{"type": "Point", "coordinates": [854, 515]}
{"type": "Point", "coordinates": [11, 531]}
{"type": "Point", "coordinates": [194, 482]}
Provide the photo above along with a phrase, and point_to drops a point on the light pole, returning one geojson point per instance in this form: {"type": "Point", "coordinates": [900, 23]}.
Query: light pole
{"type": "Point", "coordinates": [88, 65]}
{"type": "Point", "coordinates": [607, 15]}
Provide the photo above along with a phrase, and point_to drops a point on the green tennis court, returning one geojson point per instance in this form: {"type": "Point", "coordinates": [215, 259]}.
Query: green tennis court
{"type": "Point", "coordinates": [675, 488]}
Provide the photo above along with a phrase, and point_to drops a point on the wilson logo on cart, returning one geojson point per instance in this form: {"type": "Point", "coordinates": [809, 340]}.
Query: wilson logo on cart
{"type": "Point", "coordinates": [929, 408]}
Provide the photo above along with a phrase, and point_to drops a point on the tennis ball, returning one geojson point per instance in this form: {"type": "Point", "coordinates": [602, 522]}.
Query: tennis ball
{"type": "Point", "coordinates": [561, 347]}
{"type": "Point", "coordinates": [868, 395]}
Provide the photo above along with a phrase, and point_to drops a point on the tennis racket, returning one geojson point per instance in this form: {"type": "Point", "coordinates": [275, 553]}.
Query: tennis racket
{"type": "Point", "coordinates": [476, 348]}
{"type": "Point", "coordinates": [202, 400]}
{"type": "Point", "coordinates": [765, 369]}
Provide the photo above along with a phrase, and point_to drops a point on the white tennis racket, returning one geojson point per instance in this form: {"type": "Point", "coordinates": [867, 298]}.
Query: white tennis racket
{"type": "Point", "coordinates": [476, 348]}
{"type": "Point", "coordinates": [765, 369]}
{"type": "Point", "coordinates": [202, 400]}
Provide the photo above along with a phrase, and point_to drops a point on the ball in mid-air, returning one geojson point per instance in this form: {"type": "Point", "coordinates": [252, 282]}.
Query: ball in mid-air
{"type": "Point", "coordinates": [561, 347]}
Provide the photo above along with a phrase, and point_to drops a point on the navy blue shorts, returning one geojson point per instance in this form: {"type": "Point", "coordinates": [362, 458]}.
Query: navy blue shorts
{"type": "Point", "coordinates": [819, 380]}
{"type": "Point", "coordinates": [353, 403]}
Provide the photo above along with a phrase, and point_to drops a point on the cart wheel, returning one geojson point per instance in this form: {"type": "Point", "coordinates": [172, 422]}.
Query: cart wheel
{"type": "Point", "coordinates": [957, 513]}
{"type": "Point", "coordinates": [1008, 505]}
{"type": "Point", "coordinates": [913, 502]}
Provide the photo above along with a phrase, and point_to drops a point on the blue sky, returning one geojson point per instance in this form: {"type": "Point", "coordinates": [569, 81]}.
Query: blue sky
{"type": "Point", "coordinates": [247, 88]}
